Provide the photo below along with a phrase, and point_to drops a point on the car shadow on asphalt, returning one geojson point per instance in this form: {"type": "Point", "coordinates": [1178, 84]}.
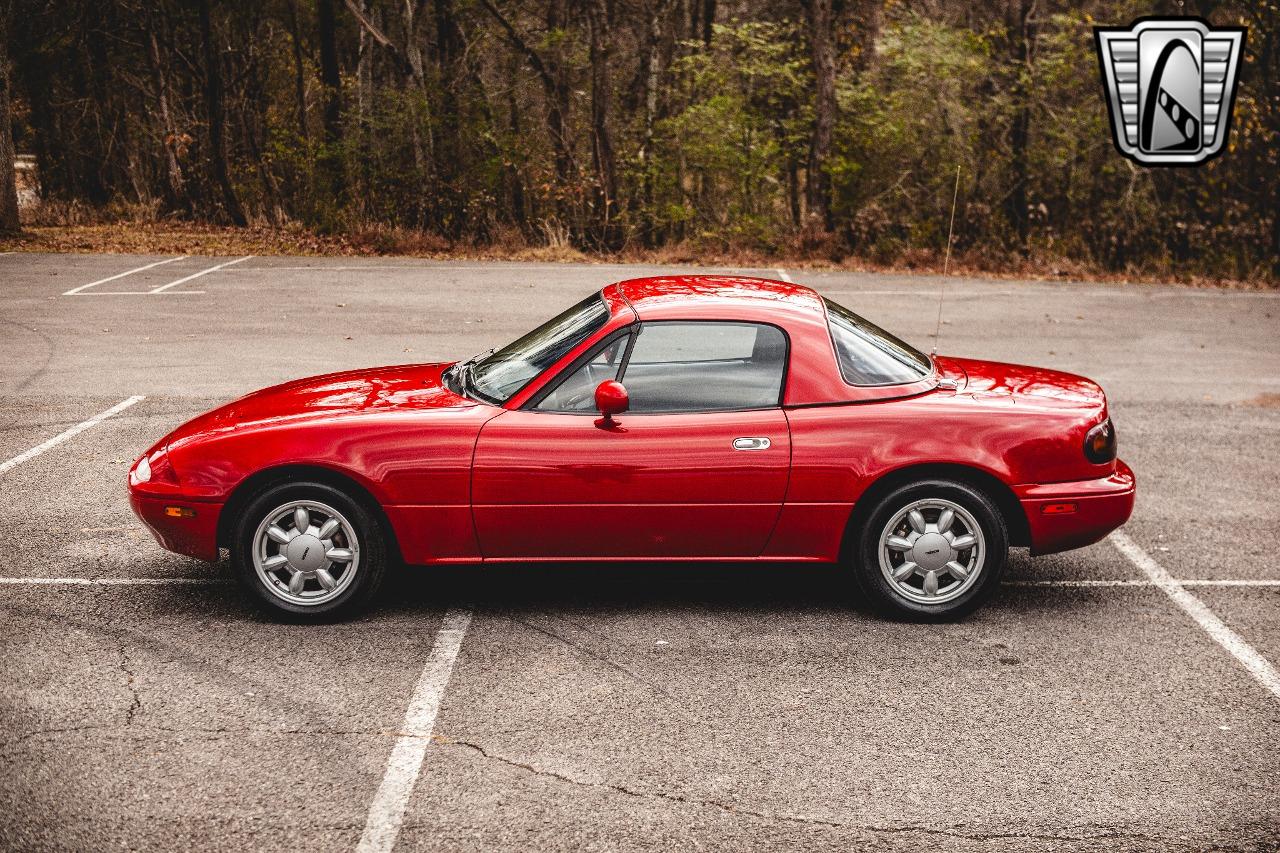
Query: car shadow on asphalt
{"type": "Point", "coordinates": [774, 588]}
{"type": "Point", "coordinates": [664, 586]}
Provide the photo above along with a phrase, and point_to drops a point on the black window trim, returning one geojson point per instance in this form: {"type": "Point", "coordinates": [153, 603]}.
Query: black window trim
{"type": "Point", "coordinates": [635, 330]}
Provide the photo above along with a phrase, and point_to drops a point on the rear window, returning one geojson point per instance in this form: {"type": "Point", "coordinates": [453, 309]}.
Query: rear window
{"type": "Point", "coordinates": [868, 355]}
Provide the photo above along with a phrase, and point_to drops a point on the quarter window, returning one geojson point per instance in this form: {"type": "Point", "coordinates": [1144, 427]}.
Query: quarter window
{"type": "Point", "coordinates": [868, 355]}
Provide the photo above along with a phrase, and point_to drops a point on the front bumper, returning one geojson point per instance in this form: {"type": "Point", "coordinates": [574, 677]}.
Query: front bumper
{"type": "Point", "coordinates": [195, 536]}
{"type": "Point", "coordinates": [1090, 509]}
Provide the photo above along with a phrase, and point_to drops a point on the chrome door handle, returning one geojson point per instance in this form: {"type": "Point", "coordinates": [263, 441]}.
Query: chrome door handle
{"type": "Point", "coordinates": [751, 444]}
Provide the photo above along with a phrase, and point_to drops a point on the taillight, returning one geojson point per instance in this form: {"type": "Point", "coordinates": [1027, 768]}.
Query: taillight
{"type": "Point", "coordinates": [1100, 443]}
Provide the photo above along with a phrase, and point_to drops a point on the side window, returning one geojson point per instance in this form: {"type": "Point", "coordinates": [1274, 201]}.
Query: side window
{"type": "Point", "coordinates": [577, 391]}
{"type": "Point", "coordinates": [684, 366]}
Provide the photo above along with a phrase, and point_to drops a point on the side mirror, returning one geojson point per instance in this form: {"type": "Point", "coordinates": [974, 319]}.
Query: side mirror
{"type": "Point", "coordinates": [611, 399]}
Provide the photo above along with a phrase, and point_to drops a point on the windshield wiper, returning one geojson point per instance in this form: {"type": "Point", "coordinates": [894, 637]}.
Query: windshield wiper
{"type": "Point", "coordinates": [461, 371]}
{"type": "Point", "coordinates": [464, 377]}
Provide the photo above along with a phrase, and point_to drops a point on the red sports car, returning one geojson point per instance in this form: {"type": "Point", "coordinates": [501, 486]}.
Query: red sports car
{"type": "Point", "coordinates": [690, 418]}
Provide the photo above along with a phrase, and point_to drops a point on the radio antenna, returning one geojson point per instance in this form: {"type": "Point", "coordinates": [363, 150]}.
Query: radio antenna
{"type": "Point", "coordinates": [946, 263]}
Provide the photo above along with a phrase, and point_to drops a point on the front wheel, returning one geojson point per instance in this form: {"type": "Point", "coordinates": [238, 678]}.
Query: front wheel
{"type": "Point", "coordinates": [933, 549]}
{"type": "Point", "coordinates": [309, 550]}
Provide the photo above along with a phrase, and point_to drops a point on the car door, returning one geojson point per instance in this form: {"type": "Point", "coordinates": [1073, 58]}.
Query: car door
{"type": "Point", "coordinates": [697, 467]}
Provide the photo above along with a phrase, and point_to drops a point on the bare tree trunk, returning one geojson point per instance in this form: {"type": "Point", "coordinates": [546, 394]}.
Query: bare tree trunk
{"type": "Point", "coordinates": [1022, 34]}
{"type": "Point", "coordinates": [217, 127]}
{"type": "Point", "coordinates": [364, 75]}
{"type": "Point", "coordinates": [555, 86]}
{"type": "Point", "coordinates": [708, 20]}
{"type": "Point", "coordinates": [364, 106]}
{"type": "Point", "coordinates": [299, 78]}
{"type": "Point", "coordinates": [657, 13]}
{"type": "Point", "coordinates": [558, 93]}
{"type": "Point", "coordinates": [109, 130]}
{"type": "Point", "coordinates": [450, 152]}
{"type": "Point", "coordinates": [1268, 53]}
{"type": "Point", "coordinates": [256, 107]}
{"type": "Point", "coordinates": [602, 153]}
{"type": "Point", "coordinates": [515, 180]}
{"type": "Point", "coordinates": [175, 181]}
{"type": "Point", "coordinates": [793, 191]}
{"type": "Point", "coordinates": [9, 222]}
{"type": "Point", "coordinates": [408, 58]}
{"type": "Point", "coordinates": [822, 50]}
{"type": "Point", "coordinates": [331, 162]}
{"type": "Point", "coordinates": [329, 73]}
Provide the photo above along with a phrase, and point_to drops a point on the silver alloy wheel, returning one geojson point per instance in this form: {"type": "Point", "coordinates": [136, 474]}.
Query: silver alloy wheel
{"type": "Point", "coordinates": [932, 551]}
{"type": "Point", "coordinates": [306, 552]}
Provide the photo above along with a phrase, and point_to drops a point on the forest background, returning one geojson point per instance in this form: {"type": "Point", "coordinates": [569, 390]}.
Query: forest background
{"type": "Point", "coordinates": [825, 131]}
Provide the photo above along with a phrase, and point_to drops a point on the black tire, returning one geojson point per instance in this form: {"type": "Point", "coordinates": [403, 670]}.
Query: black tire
{"type": "Point", "coordinates": [371, 547]}
{"type": "Point", "coordinates": [865, 555]}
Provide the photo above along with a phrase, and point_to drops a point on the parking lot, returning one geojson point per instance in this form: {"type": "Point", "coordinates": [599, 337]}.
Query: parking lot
{"type": "Point", "coordinates": [1094, 704]}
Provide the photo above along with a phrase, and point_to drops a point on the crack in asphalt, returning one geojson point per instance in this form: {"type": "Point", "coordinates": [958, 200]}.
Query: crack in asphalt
{"type": "Point", "coordinates": [136, 704]}
{"type": "Point", "coordinates": [39, 371]}
{"type": "Point", "coordinates": [170, 652]}
{"type": "Point", "coordinates": [638, 679]}
{"type": "Point", "coordinates": [782, 817]}
{"type": "Point", "coordinates": [142, 728]}
{"type": "Point", "coordinates": [727, 808]}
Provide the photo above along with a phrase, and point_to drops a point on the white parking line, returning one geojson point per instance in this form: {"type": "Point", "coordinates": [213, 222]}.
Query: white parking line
{"type": "Point", "coordinates": [502, 266]}
{"type": "Point", "coordinates": [71, 433]}
{"type": "Point", "coordinates": [1077, 583]}
{"type": "Point", "coordinates": [1245, 582]}
{"type": "Point", "coordinates": [138, 293]}
{"type": "Point", "coordinates": [782, 274]}
{"type": "Point", "coordinates": [111, 581]}
{"type": "Point", "coordinates": [77, 290]}
{"type": "Point", "coordinates": [1258, 666]}
{"type": "Point", "coordinates": [386, 814]}
{"type": "Point", "coordinates": [1259, 583]}
{"type": "Point", "coordinates": [849, 293]}
{"type": "Point", "coordinates": [165, 287]}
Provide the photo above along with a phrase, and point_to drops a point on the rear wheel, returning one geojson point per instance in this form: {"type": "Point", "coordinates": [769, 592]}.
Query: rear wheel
{"type": "Point", "coordinates": [309, 550]}
{"type": "Point", "coordinates": [932, 549]}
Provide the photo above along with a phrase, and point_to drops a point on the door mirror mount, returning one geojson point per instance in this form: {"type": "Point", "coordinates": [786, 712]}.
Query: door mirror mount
{"type": "Point", "coordinates": [611, 399]}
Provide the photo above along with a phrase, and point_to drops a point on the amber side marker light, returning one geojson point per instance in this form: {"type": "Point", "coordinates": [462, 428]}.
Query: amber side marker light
{"type": "Point", "coordinates": [1058, 509]}
{"type": "Point", "coordinates": [179, 512]}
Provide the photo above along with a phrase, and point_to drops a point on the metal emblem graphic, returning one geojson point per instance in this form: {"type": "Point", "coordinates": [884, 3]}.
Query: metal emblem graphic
{"type": "Point", "coordinates": [1171, 83]}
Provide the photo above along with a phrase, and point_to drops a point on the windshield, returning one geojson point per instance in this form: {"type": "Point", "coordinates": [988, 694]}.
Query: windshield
{"type": "Point", "coordinates": [502, 374]}
{"type": "Point", "coordinates": [869, 355]}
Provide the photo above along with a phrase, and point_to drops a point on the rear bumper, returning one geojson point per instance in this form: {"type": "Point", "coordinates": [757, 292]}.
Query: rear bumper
{"type": "Point", "coordinates": [195, 537]}
{"type": "Point", "coordinates": [1089, 510]}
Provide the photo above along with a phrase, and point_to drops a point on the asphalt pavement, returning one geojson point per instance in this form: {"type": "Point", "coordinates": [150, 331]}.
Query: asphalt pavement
{"type": "Point", "coordinates": [145, 704]}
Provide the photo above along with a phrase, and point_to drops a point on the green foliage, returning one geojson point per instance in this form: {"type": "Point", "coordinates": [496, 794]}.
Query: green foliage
{"type": "Point", "coordinates": [743, 126]}
{"type": "Point", "coordinates": [906, 125]}
{"type": "Point", "coordinates": [502, 132]}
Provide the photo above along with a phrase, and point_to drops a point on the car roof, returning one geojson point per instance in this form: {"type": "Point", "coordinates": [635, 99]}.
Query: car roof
{"type": "Point", "coordinates": [813, 375]}
{"type": "Point", "coordinates": [702, 295]}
